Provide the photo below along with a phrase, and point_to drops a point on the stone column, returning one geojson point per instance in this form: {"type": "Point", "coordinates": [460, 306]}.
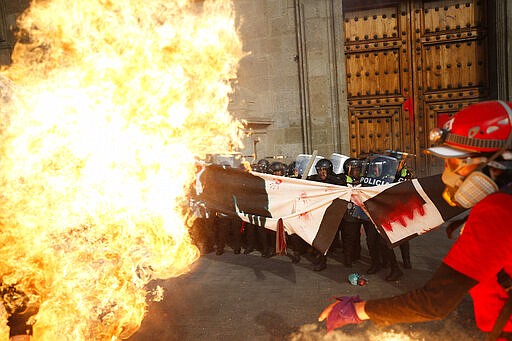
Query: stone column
{"type": "Point", "coordinates": [323, 75]}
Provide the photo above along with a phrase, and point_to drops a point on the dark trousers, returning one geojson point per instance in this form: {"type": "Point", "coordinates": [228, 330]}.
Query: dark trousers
{"type": "Point", "coordinates": [298, 245]}
{"type": "Point", "coordinates": [388, 254]}
{"type": "Point", "coordinates": [227, 228]}
{"type": "Point", "coordinates": [202, 234]}
{"type": "Point", "coordinates": [235, 233]}
{"type": "Point", "coordinates": [220, 228]}
{"type": "Point", "coordinates": [373, 241]}
{"type": "Point", "coordinates": [267, 240]}
{"type": "Point", "coordinates": [406, 254]}
{"type": "Point", "coordinates": [351, 237]}
{"type": "Point", "coordinates": [251, 233]}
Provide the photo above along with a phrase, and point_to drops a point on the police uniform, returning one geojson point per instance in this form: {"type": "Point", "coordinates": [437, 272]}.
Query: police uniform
{"type": "Point", "coordinates": [381, 255]}
{"type": "Point", "coordinates": [351, 231]}
{"type": "Point", "coordinates": [321, 259]}
{"type": "Point", "coordinates": [404, 175]}
{"type": "Point", "coordinates": [298, 245]}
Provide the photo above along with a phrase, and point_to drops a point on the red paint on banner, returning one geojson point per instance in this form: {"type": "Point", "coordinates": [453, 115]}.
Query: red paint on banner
{"type": "Point", "coordinates": [400, 213]}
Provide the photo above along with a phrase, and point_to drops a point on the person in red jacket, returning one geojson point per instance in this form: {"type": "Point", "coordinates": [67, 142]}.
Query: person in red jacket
{"type": "Point", "coordinates": [476, 145]}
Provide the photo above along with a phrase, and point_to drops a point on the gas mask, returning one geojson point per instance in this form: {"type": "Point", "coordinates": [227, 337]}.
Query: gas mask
{"type": "Point", "coordinates": [465, 184]}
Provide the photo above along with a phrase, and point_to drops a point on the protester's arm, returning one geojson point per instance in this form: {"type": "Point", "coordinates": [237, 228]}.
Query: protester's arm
{"type": "Point", "coordinates": [440, 296]}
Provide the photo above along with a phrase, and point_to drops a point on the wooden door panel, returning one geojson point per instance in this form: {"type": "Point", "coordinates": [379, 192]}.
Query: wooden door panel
{"type": "Point", "coordinates": [454, 65]}
{"type": "Point", "coordinates": [376, 129]}
{"type": "Point", "coordinates": [373, 73]}
{"type": "Point", "coordinates": [450, 64]}
{"type": "Point", "coordinates": [370, 25]}
{"type": "Point", "coordinates": [378, 82]}
{"type": "Point", "coordinates": [446, 15]}
{"type": "Point", "coordinates": [417, 62]}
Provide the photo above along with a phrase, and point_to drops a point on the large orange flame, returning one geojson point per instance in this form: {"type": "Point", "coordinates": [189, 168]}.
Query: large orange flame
{"type": "Point", "coordinates": [106, 106]}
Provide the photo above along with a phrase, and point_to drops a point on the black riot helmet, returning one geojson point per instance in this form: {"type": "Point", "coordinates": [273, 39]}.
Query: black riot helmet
{"type": "Point", "coordinates": [262, 166]}
{"type": "Point", "coordinates": [293, 170]}
{"type": "Point", "coordinates": [277, 167]}
{"type": "Point", "coordinates": [346, 164]}
{"type": "Point", "coordinates": [352, 167]}
{"type": "Point", "coordinates": [324, 163]}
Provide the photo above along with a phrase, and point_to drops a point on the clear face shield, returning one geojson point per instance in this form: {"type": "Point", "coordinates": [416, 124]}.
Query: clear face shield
{"type": "Point", "coordinates": [380, 168]}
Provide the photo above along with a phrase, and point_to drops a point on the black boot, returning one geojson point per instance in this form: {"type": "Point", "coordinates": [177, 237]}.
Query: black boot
{"type": "Point", "coordinates": [347, 261]}
{"type": "Point", "coordinates": [406, 256]}
{"type": "Point", "coordinates": [295, 257]}
{"type": "Point", "coordinates": [320, 267]}
{"type": "Point", "coordinates": [395, 274]}
{"type": "Point", "coordinates": [322, 264]}
{"type": "Point", "coordinates": [374, 268]}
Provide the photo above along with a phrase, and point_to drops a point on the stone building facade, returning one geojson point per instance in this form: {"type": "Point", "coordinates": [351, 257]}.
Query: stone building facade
{"type": "Point", "coordinates": [288, 87]}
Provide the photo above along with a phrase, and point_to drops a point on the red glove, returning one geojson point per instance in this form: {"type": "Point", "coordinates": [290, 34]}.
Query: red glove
{"type": "Point", "coordinates": [343, 312]}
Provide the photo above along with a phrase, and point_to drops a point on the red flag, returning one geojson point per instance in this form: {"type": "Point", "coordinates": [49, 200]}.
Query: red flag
{"type": "Point", "coordinates": [280, 239]}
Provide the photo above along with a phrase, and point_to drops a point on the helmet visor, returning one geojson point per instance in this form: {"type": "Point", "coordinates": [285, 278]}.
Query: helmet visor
{"type": "Point", "coordinates": [447, 152]}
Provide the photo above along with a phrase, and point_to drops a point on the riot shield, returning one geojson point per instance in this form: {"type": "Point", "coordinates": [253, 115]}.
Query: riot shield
{"type": "Point", "coordinates": [302, 161]}
{"type": "Point", "coordinates": [337, 162]}
{"type": "Point", "coordinates": [379, 170]}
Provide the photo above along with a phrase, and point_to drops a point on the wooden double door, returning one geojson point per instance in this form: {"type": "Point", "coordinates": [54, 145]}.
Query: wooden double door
{"type": "Point", "coordinates": [410, 65]}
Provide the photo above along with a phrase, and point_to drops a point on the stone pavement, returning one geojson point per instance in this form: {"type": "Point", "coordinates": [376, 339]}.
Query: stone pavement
{"type": "Point", "coordinates": [247, 297]}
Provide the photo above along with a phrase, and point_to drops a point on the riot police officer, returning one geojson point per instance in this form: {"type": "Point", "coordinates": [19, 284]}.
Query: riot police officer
{"type": "Point", "coordinates": [381, 170]}
{"type": "Point", "coordinates": [277, 168]}
{"type": "Point", "coordinates": [292, 170]}
{"type": "Point", "coordinates": [298, 245]}
{"type": "Point", "coordinates": [226, 226]}
{"type": "Point", "coordinates": [352, 170]}
{"type": "Point", "coordinates": [404, 173]}
{"type": "Point", "coordinates": [324, 173]}
{"type": "Point", "coordinates": [262, 166]}
{"type": "Point", "coordinates": [351, 224]}
{"type": "Point", "coordinates": [267, 237]}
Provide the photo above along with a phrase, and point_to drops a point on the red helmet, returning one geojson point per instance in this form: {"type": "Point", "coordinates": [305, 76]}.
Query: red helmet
{"type": "Point", "coordinates": [479, 128]}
